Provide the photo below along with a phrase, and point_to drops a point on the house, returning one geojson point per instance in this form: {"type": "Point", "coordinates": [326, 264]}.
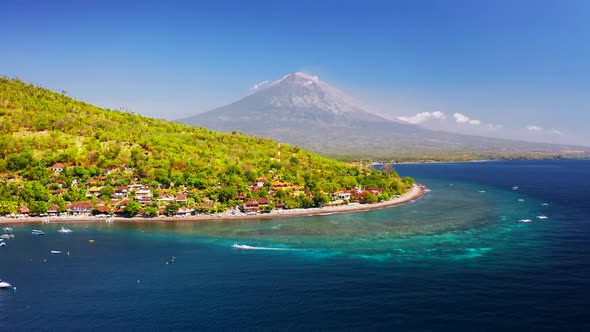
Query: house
{"type": "Point", "coordinates": [143, 192]}
{"type": "Point", "coordinates": [103, 209]}
{"type": "Point", "coordinates": [57, 167]}
{"type": "Point", "coordinates": [184, 211]}
{"type": "Point", "coordinates": [52, 211]}
{"type": "Point", "coordinates": [181, 198]}
{"type": "Point", "coordinates": [83, 208]}
{"type": "Point", "coordinates": [144, 200]}
{"type": "Point", "coordinates": [93, 191]}
{"type": "Point", "coordinates": [261, 182]}
{"type": "Point", "coordinates": [165, 199]}
{"type": "Point", "coordinates": [262, 202]}
{"type": "Point", "coordinates": [121, 191]}
{"type": "Point", "coordinates": [376, 191]}
{"type": "Point", "coordinates": [23, 210]}
{"type": "Point", "coordinates": [251, 206]}
{"type": "Point", "coordinates": [344, 195]}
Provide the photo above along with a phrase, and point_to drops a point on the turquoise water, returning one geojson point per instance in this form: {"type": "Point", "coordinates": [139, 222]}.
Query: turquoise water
{"type": "Point", "coordinates": [457, 259]}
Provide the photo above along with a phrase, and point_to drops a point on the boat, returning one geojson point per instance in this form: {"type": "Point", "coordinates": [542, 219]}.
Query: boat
{"type": "Point", "coordinates": [242, 246]}
{"type": "Point", "coordinates": [542, 217]}
{"type": "Point", "coordinates": [515, 188]}
{"type": "Point", "coordinates": [4, 236]}
{"type": "Point", "coordinates": [482, 191]}
{"type": "Point", "coordinates": [525, 220]}
{"type": "Point", "coordinates": [37, 232]}
{"type": "Point", "coordinates": [64, 230]}
{"type": "Point", "coordinates": [7, 229]}
{"type": "Point", "coordinates": [520, 200]}
{"type": "Point", "coordinates": [545, 204]}
{"type": "Point", "coordinates": [2, 244]}
{"type": "Point", "coordinates": [56, 252]}
{"type": "Point", "coordinates": [4, 285]}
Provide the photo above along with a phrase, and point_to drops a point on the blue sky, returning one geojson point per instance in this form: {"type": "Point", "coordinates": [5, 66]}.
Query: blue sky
{"type": "Point", "coordinates": [519, 68]}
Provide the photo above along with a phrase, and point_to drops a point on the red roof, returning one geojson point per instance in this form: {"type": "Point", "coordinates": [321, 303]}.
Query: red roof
{"type": "Point", "coordinates": [52, 208]}
{"type": "Point", "coordinates": [23, 209]}
{"type": "Point", "coordinates": [251, 203]}
{"type": "Point", "coordinates": [103, 208]}
{"type": "Point", "coordinates": [181, 197]}
{"type": "Point", "coordinates": [82, 205]}
{"type": "Point", "coordinates": [58, 165]}
{"type": "Point", "coordinates": [262, 201]}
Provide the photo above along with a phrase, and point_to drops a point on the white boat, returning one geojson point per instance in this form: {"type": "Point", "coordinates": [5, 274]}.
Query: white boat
{"type": "Point", "coordinates": [4, 236]}
{"type": "Point", "coordinates": [64, 230]}
{"type": "Point", "coordinates": [542, 217]}
{"type": "Point", "coordinates": [37, 232]}
{"type": "Point", "coordinates": [525, 220]}
{"type": "Point", "coordinates": [7, 229]}
{"type": "Point", "coordinates": [482, 191]}
{"type": "Point", "coordinates": [56, 252]}
{"type": "Point", "coordinates": [520, 200]}
{"type": "Point", "coordinates": [4, 285]}
{"type": "Point", "coordinates": [2, 244]}
{"type": "Point", "coordinates": [545, 204]}
{"type": "Point", "coordinates": [242, 246]}
{"type": "Point", "coordinates": [515, 188]}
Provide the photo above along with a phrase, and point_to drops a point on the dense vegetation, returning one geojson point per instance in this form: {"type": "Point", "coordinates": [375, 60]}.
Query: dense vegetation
{"type": "Point", "coordinates": [104, 149]}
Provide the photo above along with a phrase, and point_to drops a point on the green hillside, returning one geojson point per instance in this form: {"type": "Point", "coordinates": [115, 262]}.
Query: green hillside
{"type": "Point", "coordinates": [104, 150]}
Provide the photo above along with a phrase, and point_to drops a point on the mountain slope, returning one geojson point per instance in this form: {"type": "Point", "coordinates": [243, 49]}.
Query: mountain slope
{"type": "Point", "coordinates": [304, 110]}
{"type": "Point", "coordinates": [39, 128]}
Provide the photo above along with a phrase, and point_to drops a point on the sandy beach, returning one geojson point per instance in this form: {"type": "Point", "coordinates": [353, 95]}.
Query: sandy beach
{"type": "Point", "coordinates": [414, 194]}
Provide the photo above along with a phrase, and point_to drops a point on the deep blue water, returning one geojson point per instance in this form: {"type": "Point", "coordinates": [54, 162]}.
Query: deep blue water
{"type": "Point", "coordinates": [458, 260]}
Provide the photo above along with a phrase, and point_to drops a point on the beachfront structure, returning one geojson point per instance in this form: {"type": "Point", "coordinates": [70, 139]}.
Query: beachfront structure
{"type": "Point", "coordinates": [251, 206]}
{"type": "Point", "coordinates": [82, 208]}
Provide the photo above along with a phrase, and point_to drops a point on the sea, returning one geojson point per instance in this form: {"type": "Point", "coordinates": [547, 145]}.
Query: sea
{"type": "Point", "coordinates": [494, 246]}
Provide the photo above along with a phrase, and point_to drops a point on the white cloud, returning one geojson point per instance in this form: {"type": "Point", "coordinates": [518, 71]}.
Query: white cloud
{"type": "Point", "coordinates": [258, 86]}
{"type": "Point", "coordinates": [461, 118]}
{"type": "Point", "coordinates": [534, 128]}
{"type": "Point", "coordinates": [423, 117]}
{"type": "Point", "coordinates": [556, 132]}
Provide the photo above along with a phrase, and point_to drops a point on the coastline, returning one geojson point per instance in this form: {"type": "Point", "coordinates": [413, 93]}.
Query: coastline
{"type": "Point", "coordinates": [415, 193]}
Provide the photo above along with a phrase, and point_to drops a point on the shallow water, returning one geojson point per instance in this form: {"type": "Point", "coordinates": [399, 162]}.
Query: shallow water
{"type": "Point", "coordinates": [458, 259]}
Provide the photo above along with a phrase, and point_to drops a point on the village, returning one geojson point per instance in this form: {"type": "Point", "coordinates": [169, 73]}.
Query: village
{"type": "Point", "coordinates": [146, 200]}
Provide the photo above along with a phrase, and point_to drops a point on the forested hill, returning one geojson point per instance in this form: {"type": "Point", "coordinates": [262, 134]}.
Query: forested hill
{"type": "Point", "coordinates": [104, 149]}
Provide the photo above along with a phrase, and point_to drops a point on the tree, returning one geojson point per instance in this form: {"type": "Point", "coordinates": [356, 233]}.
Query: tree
{"type": "Point", "coordinates": [171, 209]}
{"type": "Point", "coordinates": [106, 192]}
{"type": "Point", "coordinates": [132, 208]}
{"type": "Point", "coordinates": [38, 207]}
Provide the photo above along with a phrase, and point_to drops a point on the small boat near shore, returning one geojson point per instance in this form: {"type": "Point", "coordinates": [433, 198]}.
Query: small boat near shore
{"type": "Point", "coordinates": [7, 229]}
{"type": "Point", "coordinates": [37, 232]}
{"type": "Point", "coordinates": [526, 220]}
{"type": "Point", "coordinates": [56, 252]}
{"type": "Point", "coordinates": [7, 236]}
{"type": "Point", "coordinates": [5, 285]}
{"type": "Point", "coordinates": [542, 217]}
{"type": "Point", "coordinates": [64, 230]}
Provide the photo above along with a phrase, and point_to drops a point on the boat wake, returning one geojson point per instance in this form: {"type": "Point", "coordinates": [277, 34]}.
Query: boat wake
{"type": "Point", "coordinates": [247, 247]}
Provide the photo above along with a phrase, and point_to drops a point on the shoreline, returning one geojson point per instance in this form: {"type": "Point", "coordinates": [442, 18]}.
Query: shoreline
{"type": "Point", "coordinates": [415, 193]}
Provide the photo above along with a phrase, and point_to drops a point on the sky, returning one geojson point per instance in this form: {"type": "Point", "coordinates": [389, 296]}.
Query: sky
{"type": "Point", "coordinates": [513, 69]}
